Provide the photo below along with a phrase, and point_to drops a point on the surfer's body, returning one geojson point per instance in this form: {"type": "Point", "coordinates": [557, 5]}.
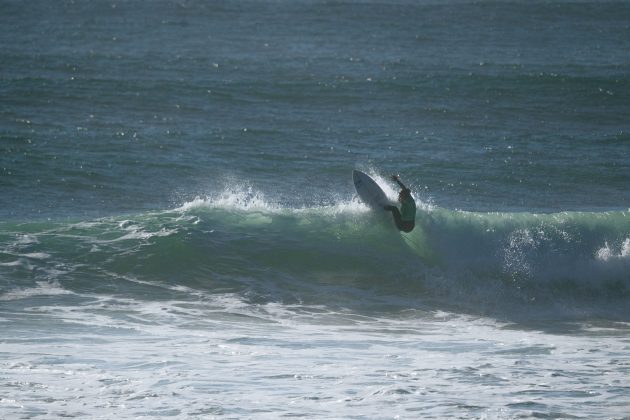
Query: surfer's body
{"type": "Point", "coordinates": [405, 218]}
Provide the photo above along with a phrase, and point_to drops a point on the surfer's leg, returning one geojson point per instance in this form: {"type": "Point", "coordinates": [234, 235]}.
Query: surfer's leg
{"type": "Point", "coordinates": [406, 226]}
{"type": "Point", "coordinates": [396, 214]}
{"type": "Point", "coordinates": [400, 224]}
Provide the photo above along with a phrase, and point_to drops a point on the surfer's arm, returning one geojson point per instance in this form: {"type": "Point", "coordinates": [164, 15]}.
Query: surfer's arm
{"type": "Point", "coordinates": [397, 179]}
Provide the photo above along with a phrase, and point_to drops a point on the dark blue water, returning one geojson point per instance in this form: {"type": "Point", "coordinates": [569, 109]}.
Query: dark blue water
{"type": "Point", "coordinates": [111, 108]}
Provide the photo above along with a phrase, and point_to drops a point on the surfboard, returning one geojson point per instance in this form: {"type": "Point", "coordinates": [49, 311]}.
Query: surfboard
{"type": "Point", "coordinates": [374, 196]}
{"type": "Point", "coordinates": [369, 191]}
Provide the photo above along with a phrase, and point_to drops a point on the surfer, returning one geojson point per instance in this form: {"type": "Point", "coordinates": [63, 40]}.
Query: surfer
{"type": "Point", "coordinates": [405, 218]}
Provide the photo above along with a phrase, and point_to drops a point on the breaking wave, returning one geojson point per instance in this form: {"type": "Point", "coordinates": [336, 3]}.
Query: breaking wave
{"type": "Point", "coordinates": [340, 255]}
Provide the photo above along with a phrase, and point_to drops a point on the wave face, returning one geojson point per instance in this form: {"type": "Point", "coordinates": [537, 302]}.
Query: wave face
{"type": "Point", "coordinates": [565, 265]}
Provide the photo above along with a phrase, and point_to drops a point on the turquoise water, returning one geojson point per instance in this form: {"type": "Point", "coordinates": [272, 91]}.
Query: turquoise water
{"type": "Point", "coordinates": [179, 233]}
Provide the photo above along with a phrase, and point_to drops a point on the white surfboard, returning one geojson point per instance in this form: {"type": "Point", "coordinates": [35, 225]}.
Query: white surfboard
{"type": "Point", "coordinates": [369, 191]}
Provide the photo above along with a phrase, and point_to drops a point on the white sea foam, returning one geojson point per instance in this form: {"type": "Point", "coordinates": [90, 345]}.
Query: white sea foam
{"type": "Point", "coordinates": [35, 255]}
{"type": "Point", "coordinates": [134, 358]}
{"type": "Point", "coordinates": [611, 253]}
{"type": "Point", "coordinates": [42, 288]}
{"type": "Point", "coordinates": [239, 196]}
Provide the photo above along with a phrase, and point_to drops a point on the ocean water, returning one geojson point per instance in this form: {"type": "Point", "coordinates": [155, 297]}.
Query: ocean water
{"type": "Point", "coordinates": [180, 237]}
